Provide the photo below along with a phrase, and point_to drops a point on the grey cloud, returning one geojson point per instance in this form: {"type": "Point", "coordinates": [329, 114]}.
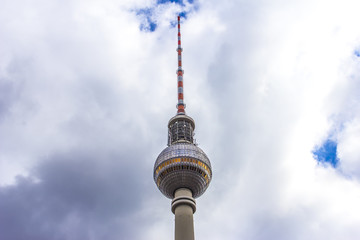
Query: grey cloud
{"type": "Point", "coordinates": [12, 83]}
{"type": "Point", "coordinates": [98, 192]}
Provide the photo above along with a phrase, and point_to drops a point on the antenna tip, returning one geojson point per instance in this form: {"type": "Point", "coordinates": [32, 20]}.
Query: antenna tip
{"type": "Point", "coordinates": [178, 17]}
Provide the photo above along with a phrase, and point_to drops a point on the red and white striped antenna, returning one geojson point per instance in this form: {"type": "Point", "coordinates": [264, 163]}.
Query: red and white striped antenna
{"type": "Point", "coordinates": [181, 105]}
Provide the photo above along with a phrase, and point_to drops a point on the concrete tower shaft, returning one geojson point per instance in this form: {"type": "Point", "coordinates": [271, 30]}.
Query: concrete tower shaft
{"type": "Point", "coordinates": [184, 207]}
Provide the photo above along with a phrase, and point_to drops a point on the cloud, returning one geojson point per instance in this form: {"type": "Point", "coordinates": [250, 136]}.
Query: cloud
{"type": "Point", "coordinates": [85, 97]}
{"type": "Point", "coordinates": [349, 149]}
{"type": "Point", "coordinates": [75, 195]}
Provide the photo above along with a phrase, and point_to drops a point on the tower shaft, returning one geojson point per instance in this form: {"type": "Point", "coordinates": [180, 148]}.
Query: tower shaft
{"type": "Point", "coordinates": [184, 206]}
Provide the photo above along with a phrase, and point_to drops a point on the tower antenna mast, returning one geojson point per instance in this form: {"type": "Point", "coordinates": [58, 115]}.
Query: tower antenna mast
{"type": "Point", "coordinates": [181, 105]}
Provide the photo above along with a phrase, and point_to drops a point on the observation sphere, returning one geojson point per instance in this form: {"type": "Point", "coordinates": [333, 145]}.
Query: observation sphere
{"type": "Point", "coordinates": [182, 165]}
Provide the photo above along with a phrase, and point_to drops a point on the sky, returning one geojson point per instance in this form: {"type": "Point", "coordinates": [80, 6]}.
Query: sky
{"type": "Point", "coordinates": [87, 89]}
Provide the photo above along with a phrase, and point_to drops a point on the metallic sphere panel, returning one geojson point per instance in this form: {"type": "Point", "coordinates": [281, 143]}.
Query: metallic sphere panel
{"type": "Point", "coordinates": [182, 165]}
{"type": "Point", "coordinates": [180, 150]}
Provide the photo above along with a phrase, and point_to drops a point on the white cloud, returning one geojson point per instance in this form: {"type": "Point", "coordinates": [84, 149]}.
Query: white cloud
{"type": "Point", "coordinates": [264, 82]}
{"type": "Point", "coordinates": [349, 149]}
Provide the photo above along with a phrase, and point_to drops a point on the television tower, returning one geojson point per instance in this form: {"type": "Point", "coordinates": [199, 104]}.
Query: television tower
{"type": "Point", "coordinates": [182, 171]}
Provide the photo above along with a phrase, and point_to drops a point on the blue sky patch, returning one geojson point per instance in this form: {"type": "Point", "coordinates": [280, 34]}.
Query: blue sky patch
{"type": "Point", "coordinates": [357, 53]}
{"type": "Point", "coordinates": [183, 15]}
{"type": "Point", "coordinates": [180, 2]}
{"type": "Point", "coordinates": [327, 153]}
{"type": "Point", "coordinates": [149, 24]}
